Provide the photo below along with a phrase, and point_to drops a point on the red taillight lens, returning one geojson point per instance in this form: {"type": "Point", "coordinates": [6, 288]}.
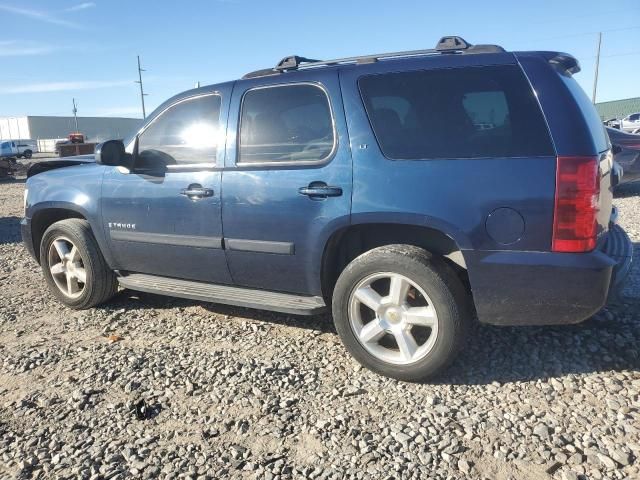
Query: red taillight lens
{"type": "Point", "coordinates": [576, 207]}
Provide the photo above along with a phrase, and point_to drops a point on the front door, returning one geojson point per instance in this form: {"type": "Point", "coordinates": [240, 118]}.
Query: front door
{"type": "Point", "coordinates": [287, 179]}
{"type": "Point", "coordinates": [164, 216]}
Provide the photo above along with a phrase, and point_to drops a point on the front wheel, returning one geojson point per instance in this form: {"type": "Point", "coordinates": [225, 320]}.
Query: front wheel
{"type": "Point", "coordinates": [401, 312]}
{"type": "Point", "coordinates": [73, 265]}
{"type": "Point", "coordinates": [27, 154]}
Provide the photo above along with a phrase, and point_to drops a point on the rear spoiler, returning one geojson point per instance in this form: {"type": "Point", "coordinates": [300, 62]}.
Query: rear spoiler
{"type": "Point", "coordinates": [566, 62]}
{"type": "Point", "coordinates": [562, 61]}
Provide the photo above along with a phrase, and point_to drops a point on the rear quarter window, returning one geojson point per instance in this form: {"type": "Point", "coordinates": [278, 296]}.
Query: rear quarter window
{"type": "Point", "coordinates": [589, 112]}
{"type": "Point", "coordinates": [455, 113]}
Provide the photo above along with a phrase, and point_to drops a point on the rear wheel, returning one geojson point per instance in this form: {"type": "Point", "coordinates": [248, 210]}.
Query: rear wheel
{"type": "Point", "coordinates": [73, 265]}
{"type": "Point", "coordinates": [401, 312]}
{"type": "Point", "coordinates": [27, 154]}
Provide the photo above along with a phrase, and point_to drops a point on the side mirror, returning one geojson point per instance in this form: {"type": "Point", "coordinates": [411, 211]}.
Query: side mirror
{"type": "Point", "coordinates": [112, 153]}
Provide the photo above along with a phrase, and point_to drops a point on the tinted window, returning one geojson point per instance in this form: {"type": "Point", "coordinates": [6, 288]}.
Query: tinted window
{"type": "Point", "coordinates": [289, 123]}
{"type": "Point", "coordinates": [187, 132]}
{"type": "Point", "coordinates": [455, 113]}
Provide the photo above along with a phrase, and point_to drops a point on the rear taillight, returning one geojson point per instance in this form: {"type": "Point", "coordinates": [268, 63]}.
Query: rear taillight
{"type": "Point", "coordinates": [576, 205]}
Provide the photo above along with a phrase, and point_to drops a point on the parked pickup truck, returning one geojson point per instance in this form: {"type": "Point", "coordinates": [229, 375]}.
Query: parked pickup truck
{"type": "Point", "coordinates": [409, 193]}
{"type": "Point", "coordinates": [8, 149]}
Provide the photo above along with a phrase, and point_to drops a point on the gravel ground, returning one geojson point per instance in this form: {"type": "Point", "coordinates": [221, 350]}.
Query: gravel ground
{"type": "Point", "coordinates": [231, 392]}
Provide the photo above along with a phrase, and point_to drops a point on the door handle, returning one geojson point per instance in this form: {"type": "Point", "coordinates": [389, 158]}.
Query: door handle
{"type": "Point", "coordinates": [320, 190]}
{"type": "Point", "coordinates": [196, 192]}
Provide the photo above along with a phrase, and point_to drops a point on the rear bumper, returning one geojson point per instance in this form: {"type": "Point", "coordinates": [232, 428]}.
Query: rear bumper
{"type": "Point", "coordinates": [620, 248]}
{"type": "Point", "coordinates": [545, 288]}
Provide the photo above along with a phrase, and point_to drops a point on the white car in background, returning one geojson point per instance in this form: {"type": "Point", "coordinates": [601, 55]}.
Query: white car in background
{"type": "Point", "coordinates": [631, 123]}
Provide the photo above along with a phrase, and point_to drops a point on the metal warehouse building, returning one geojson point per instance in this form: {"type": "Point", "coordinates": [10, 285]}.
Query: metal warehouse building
{"type": "Point", "coordinates": [618, 108]}
{"type": "Point", "coordinates": [46, 130]}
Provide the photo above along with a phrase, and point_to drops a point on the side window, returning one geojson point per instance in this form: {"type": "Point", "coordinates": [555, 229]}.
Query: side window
{"type": "Point", "coordinates": [186, 133]}
{"type": "Point", "coordinates": [455, 113]}
{"type": "Point", "coordinates": [285, 123]}
{"type": "Point", "coordinates": [635, 117]}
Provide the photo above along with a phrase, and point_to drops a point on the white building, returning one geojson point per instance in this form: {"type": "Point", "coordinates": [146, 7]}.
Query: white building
{"type": "Point", "coordinates": [46, 130]}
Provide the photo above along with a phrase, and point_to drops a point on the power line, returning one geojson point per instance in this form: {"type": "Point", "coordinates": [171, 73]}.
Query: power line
{"type": "Point", "coordinates": [637, 52]}
{"type": "Point", "coordinates": [582, 34]}
{"type": "Point", "coordinates": [592, 57]}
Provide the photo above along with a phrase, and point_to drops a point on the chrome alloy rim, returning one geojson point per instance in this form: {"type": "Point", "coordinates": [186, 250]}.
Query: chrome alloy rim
{"type": "Point", "coordinates": [393, 318]}
{"type": "Point", "coordinates": [67, 267]}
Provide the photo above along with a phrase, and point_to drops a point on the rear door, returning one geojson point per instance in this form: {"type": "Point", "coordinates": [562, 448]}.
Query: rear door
{"type": "Point", "coordinates": [287, 179]}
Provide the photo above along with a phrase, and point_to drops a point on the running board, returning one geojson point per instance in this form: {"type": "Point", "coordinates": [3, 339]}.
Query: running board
{"type": "Point", "coordinates": [226, 294]}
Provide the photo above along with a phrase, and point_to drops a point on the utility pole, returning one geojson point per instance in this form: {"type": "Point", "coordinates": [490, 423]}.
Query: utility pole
{"type": "Point", "coordinates": [142, 94]}
{"type": "Point", "coordinates": [595, 80]}
{"type": "Point", "coordinates": [75, 113]}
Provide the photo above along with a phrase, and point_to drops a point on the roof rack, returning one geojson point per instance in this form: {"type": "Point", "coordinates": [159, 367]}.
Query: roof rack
{"type": "Point", "coordinates": [446, 45]}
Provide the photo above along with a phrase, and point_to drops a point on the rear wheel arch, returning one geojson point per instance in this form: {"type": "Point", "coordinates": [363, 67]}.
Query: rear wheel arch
{"type": "Point", "coordinates": [348, 243]}
{"type": "Point", "coordinates": [401, 311]}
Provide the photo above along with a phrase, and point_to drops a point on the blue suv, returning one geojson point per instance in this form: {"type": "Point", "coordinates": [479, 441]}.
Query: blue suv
{"type": "Point", "coordinates": [408, 192]}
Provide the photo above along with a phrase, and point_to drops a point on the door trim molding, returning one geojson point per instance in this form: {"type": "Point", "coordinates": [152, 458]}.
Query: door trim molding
{"type": "Point", "coordinates": [166, 239]}
{"type": "Point", "coordinates": [259, 246]}
{"type": "Point", "coordinates": [237, 244]}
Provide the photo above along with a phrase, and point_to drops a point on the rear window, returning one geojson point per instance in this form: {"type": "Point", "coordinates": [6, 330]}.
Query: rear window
{"type": "Point", "coordinates": [455, 113]}
{"type": "Point", "coordinates": [589, 113]}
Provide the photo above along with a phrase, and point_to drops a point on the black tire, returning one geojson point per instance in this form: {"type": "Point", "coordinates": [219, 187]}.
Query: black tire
{"type": "Point", "coordinates": [27, 154]}
{"type": "Point", "coordinates": [448, 296]}
{"type": "Point", "coordinates": [101, 283]}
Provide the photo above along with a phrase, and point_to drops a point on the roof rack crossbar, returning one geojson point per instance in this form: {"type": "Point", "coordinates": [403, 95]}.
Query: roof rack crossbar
{"type": "Point", "coordinates": [446, 45]}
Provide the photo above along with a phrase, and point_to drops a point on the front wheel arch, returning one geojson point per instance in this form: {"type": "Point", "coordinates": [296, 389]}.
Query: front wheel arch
{"type": "Point", "coordinates": [43, 219]}
{"type": "Point", "coordinates": [77, 275]}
